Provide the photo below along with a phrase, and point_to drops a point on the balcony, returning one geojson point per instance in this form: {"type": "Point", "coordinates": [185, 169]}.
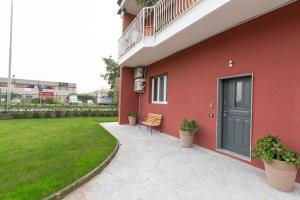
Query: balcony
{"type": "Point", "coordinates": [151, 20]}
{"type": "Point", "coordinates": [172, 25]}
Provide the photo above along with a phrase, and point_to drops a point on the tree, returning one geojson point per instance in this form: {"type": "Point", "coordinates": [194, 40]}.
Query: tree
{"type": "Point", "coordinates": [116, 92]}
{"type": "Point", "coordinates": [85, 97]}
{"type": "Point", "coordinates": [112, 76]}
{"type": "Point", "coordinates": [112, 72]}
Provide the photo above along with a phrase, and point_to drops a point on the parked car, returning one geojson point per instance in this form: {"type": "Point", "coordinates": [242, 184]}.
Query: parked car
{"type": "Point", "coordinates": [104, 99]}
{"type": "Point", "coordinates": [90, 102]}
{"type": "Point", "coordinates": [73, 99]}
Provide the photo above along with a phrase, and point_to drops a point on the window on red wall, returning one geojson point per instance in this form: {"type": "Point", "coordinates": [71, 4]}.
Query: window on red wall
{"type": "Point", "coordinates": [159, 89]}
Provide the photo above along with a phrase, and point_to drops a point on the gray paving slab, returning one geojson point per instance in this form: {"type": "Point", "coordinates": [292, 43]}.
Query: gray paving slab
{"type": "Point", "coordinates": [155, 167]}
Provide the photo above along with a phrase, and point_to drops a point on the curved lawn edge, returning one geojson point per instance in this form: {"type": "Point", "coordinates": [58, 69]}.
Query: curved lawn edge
{"type": "Point", "coordinates": [73, 186]}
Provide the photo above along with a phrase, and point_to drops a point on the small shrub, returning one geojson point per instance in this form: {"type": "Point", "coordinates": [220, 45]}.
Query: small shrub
{"type": "Point", "coordinates": [189, 126]}
{"type": "Point", "coordinates": [58, 113]}
{"type": "Point", "coordinates": [88, 113]}
{"type": "Point", "coordinates": [77, 113]}
{"type": "Point", "coordinates": [28, 114]}
{"type": "Point", "coordinates": [42, 114]}
{"type": "Point", "coordinates": [93, 113]}
{"type": "Point", "coordinates": [98, 113]}
{"type": "Point", "coordinates": [47, 114]}
{"type": "Point", "coordinates": [5, 115]}
{"type": "Point", "coordinates": [68, 113]}
{"type": "Point", "coordinates": [132, 114]}
{"type": "Point", "coordinates": [71, 113]}
{"type": "Point", "coordinates": [36, 114]}
{"type": "Point", "coordinates": [52, 114]}
{"type": "Point", "coordinates": [63, 113]}
{"type": "Point", "coordinates": [15, 115]}
{"type": "Point", "coordinates": [271, 148]}
{"type": "Point", "coordinates": [85, 113]}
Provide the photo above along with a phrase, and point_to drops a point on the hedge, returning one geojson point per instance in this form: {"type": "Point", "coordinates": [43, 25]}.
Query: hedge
{"type": "Point", "coordinates": [56, 114]}
{"type": "Point", "coordinates": [17, 106]}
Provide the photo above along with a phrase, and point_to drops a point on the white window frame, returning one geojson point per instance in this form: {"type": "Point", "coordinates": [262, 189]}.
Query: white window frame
{"type": "Point", "coordinates": [165, 78]}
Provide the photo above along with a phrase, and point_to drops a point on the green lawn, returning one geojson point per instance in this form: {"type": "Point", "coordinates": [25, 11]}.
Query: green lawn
{"type": "Point", "coordinates": [40, 156]}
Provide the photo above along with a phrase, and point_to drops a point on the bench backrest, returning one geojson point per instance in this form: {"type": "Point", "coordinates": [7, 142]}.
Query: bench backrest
{"type": "Point", "coordinates": [154, 119]}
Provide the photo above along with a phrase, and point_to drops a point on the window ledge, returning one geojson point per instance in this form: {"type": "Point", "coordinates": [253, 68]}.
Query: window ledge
{"type": "Point", "coordinates": [159, 103]}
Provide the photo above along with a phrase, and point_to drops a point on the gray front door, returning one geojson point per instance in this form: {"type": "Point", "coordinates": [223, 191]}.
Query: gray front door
{"type": "Point", "coordinates": [236, 115]}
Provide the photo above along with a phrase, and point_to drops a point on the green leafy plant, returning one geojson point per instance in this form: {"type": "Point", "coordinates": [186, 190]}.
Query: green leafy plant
{"type": "Point", "coordinates": [58, 114]}
{"type": "Point", "coordinates": [132, 114]}
{"type": "Point", "coordinates": [271, 148]}
{"type": "Point", "coordinates": [146, 2]}
{"type": "Point", "coordinates": [190, 126]}
{"type": "Point", "coordinates": [85, 113]}
{"type": "Point", "coordinates": [52, 114]}
{"type": "Point", "coordinates": [15, 115]}
{"type": "Point", "coordinates": [28, 114]}
{"type": "Point", "coordinates": [36, 115]}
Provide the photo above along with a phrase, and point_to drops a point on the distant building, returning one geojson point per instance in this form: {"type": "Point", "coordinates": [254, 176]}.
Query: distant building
{"type": "Point", "coordinates": [29, 89]}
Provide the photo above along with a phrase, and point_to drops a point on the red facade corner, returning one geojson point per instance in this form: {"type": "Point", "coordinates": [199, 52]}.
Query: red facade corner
{"type": "Point", "coordinates": [267, 47]}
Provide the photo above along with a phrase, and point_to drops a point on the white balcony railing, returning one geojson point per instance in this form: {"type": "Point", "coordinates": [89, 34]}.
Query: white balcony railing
{"type": "Point", "coordinates": [151, 20]}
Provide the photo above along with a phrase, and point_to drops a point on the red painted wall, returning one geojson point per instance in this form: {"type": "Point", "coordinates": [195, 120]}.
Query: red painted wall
{"type": "Point", "coordinates": [127, 18]}
{"type": "Point", "coordinates": [128, 99]}
{"type": "Point", "coordinates": [268, 47]}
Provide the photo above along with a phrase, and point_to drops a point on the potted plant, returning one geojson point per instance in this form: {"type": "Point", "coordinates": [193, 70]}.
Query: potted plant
{"type": "Point", "coordinates": [280, 163]}
{"type": "Point", "coordinates": [132, 118]}
{"type": "Point", "coordinates": [187, 131]}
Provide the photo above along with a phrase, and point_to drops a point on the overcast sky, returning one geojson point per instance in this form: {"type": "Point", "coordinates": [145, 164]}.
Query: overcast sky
{"type": "Point", "coordinates": [60, 40]}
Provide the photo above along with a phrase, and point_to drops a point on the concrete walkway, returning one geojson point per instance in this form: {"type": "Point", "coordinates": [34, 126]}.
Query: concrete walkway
{"type": "Point", "coordinates": [155, 167]}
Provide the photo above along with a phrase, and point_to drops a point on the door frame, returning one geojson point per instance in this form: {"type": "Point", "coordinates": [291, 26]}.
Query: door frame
{"type": "Point", "coordinates": [220, 93]}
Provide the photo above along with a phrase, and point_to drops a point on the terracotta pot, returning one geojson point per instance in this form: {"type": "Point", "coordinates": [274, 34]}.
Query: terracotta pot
{"type": "Point", "coordinates": [187, 139]}
{"type": "Point", "coordinates": [281, 175]}
{"type": "Point", "coordinates": [132, 120]}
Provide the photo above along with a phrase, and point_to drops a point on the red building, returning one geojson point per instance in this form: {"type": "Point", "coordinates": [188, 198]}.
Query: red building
{"type": "Point", "coordinates": [231, 65]}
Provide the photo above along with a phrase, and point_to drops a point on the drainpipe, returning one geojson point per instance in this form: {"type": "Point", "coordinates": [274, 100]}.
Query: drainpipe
{"type": "Point", "coordinates": [139, 105]}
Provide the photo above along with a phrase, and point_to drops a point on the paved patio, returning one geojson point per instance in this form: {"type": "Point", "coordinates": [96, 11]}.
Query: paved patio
{"type": "Point", "coordinates": [155, 167]}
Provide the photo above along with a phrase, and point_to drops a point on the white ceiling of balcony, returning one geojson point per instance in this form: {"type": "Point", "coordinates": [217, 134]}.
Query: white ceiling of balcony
{"type": "Point", "coordinates": [193, 28]}
{"type": "Point", "coordinates": [131, 6]}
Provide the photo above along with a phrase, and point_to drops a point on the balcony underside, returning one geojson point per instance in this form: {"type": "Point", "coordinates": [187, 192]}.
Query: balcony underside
{"type": "Point", "coordinates": [206, 19]}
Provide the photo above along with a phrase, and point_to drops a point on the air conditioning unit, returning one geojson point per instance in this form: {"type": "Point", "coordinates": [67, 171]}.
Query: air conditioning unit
{"type": "Point", "coordinates": [139, 79]}
{"type": "Point", "coordinates": [139, 85]}
{"type": "Point", "coordinates": [139, 72]}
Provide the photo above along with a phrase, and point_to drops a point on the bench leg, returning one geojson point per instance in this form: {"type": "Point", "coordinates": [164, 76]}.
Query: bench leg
{"type": "Point", "coordinates": [151, 130]}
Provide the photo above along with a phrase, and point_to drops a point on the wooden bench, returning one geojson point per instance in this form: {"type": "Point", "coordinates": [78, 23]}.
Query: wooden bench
{"type": "Point", "coordinates": [152, 120]}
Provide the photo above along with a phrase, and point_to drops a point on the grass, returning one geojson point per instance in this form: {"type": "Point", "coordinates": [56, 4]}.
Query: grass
{"type": "Point", "coordinates": [40, 156]}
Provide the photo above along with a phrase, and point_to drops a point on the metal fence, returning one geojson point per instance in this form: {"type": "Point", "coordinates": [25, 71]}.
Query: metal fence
{"type": "Point", "coordinates": [47, 102]}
